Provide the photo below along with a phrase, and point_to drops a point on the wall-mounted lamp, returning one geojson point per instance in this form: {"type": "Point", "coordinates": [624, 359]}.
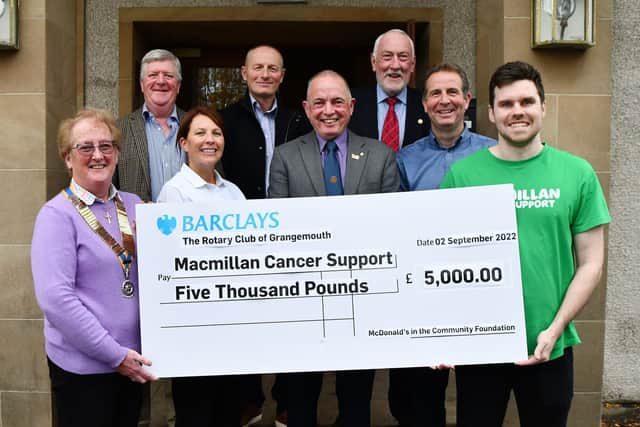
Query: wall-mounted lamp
{"type": "Point", "coordinates": [563, 23]}
{"type": "Point", "coordinates": [9, 24]}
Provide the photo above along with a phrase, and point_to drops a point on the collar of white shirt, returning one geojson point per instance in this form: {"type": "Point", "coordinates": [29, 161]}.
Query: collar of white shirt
{"type": "Point", "coordinates": [196, 180]}
{"type": "Point", "coordinates": [89, 198]}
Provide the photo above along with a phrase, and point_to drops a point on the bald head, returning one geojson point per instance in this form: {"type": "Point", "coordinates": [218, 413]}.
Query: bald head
{"type": "Point", "coordinates": [263, 50]}
{"type": "Point", "coordinates": [263, 70]}
{"type": "Point", "coordinates": [330, 74]}
{"type": "Point", "coordinates": [329, 105]}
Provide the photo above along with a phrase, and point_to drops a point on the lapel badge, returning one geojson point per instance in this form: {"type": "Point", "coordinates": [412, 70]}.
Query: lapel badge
{"type": "Point", "coordinates": [355, 156]}
{"type": "Point", "coordinates": [420, 121]}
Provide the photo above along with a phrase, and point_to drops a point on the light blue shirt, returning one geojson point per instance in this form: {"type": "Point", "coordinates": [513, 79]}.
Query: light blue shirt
{"type": "Point", "coordinates": [165, 159]}
{"type": "Point", "coordinates": [424, 164]}
{"type": "Point", "coordinates": [267, 120]}
{"type": "Point", "coordinates": [400, 108]}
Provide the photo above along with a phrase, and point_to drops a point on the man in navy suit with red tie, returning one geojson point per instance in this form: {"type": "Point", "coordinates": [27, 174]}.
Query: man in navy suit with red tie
{"type": "Point", "coordinates": [391, 111]}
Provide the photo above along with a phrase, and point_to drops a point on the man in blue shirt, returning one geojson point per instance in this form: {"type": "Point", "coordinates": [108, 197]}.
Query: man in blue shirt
{"type": "Point", "coordinates": [424, 163]}
{"type": "Point", "coordinates": [149, 156]}
{"type": "Point", "coordinates": [422, 166]}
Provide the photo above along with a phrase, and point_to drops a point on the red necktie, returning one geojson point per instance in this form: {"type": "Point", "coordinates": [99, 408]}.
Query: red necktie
{"type": "Point", "coordinates": [390, 128]}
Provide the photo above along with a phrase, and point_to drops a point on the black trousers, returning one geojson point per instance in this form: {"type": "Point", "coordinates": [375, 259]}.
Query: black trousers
{"type": "Point", "coordinates": [279, 393]}
{"type": "Point", "coordinates": [543, 393]}
{"type": "Point", "coordinates": [417, 396]}
{"type": "Point", "coordinates": [100, 400]}
{"type": "Point", "coordinates": [353, 389]}
{"type": "Point", "coordinates": [255, 396]}
{"type": "Point", "coordinates": [208, 401]}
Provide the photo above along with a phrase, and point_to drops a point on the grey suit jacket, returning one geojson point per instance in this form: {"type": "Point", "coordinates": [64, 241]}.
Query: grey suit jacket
{"type": "Point", "coordinates": [296, 168]}
{"type": "Point", "coordinates": [132, 172]}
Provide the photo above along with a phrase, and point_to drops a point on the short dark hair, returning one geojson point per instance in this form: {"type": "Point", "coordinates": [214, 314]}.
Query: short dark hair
{"type": "Point", "coordinates": [451, 67]}
{"type": "Point", "coordinates": [512, 72]}
{"type": "Point", "coordinates": [187, 119]}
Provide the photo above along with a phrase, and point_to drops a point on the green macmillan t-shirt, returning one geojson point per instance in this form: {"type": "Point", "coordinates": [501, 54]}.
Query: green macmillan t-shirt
{"type": "Point", "coordinates": [557, 195]}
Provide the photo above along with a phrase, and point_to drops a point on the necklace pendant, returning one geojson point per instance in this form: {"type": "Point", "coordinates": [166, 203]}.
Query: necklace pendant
{"type": "Point", "coordinates": [127, 288]}
{"type": "Point", "coordinates": [108, 216]}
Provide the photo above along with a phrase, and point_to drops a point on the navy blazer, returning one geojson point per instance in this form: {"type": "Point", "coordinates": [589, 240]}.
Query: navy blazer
{"type": "Point", "coordinates": [364, 121]}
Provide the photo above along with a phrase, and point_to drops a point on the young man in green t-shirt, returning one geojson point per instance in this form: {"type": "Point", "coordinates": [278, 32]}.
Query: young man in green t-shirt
{"type": "Point", "coordinates": [561, 212]}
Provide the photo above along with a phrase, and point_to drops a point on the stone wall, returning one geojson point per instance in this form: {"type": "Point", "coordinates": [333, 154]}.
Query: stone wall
{"type": "Point", "coordinates": [622, 342]}
{"type": "Point", "coordinates": [37, 87]}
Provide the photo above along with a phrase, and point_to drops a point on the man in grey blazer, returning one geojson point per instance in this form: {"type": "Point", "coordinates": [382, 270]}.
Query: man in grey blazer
{"type": "Point", "coordinates": [149, 155]}
{"type": "Point", "coordinates": [301, 168]}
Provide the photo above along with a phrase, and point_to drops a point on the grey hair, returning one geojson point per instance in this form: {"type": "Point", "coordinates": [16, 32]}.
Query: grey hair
{"type": "Point", "coordinates": [394, 30]}
{"type": "Point", "coordinates": [160, 55]}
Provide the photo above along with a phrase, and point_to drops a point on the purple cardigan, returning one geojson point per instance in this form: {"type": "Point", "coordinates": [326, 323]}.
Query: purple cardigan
{"type": "Point", "coordinates": [88, 324]}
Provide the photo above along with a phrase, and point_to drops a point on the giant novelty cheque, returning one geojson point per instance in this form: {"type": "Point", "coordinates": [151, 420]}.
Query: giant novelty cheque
{"type": "Point", "coordinates": [331, 283]}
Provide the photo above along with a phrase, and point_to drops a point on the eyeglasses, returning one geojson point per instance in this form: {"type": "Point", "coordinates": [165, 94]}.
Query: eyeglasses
{"type": "Point", "coordinates": [105, 147]}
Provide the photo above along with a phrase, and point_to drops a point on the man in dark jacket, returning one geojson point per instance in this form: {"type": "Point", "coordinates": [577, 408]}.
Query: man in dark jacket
{"type": "Point", "coordinates": [253, 127]}
{"type": "Point", "coordinates": [391, 111]}
{"type": "Point", "coordinates": [256, 123]}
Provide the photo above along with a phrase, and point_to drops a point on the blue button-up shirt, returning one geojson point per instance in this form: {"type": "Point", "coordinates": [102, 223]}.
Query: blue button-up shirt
{"type": "Point", "coordinates": [424, 163]}
{"type": "Point", "coordinates": [267, 120]}
{"type": "Point", "coordinates": [165, 159]}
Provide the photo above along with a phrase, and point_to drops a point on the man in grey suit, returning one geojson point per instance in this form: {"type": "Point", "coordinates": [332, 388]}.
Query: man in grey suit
{"type": "Point", "coordinates": [149, 156]}
{"type": "Point", "coordinates": [329, 161]}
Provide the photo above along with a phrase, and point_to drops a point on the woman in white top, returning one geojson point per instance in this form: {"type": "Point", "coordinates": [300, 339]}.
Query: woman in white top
{"type": "Point", "coordinates": [203, 401]}
{"type": "Point", "coordinates": [200, 136]}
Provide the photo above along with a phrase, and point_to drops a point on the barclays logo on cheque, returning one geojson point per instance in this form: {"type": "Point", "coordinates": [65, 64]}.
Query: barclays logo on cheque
{"type": "Point", "coordinates": [166, 224]}
{"type": "Point", "coordinates": [224, 222]}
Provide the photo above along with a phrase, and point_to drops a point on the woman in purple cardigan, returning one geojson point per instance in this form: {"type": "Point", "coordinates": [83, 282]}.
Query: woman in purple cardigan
{"type": "Point", "coordinates": [86, 281]}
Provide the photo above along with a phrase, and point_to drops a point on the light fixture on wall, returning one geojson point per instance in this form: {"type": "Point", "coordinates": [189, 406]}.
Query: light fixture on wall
{"type": "Point", "coordinates": [8, 24]}
{"type": "Point", "coordinates": [563, 23]}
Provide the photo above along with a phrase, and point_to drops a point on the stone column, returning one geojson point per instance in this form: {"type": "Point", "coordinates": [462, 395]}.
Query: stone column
{"type": "Point", "coordinates": [37, 88]}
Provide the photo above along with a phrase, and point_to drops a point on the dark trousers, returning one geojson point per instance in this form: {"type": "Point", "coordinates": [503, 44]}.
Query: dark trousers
{"type": "Point", "coordinates": [253, 393]}
{"type": "Point", "coordinates": [543, 393]}
{"type": "Point", "coordinates": [417, 396]}
{"type": "Point", "coordinates": [353, 389]}
{"type": "Point", "coordinates": [101, 400]}
{"type": "Point", "coordinates": [254, 396]}
{"type": "Point", "coordinates": [279, 392]}
{"type": "Point", "coordinates": [207, 401]}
